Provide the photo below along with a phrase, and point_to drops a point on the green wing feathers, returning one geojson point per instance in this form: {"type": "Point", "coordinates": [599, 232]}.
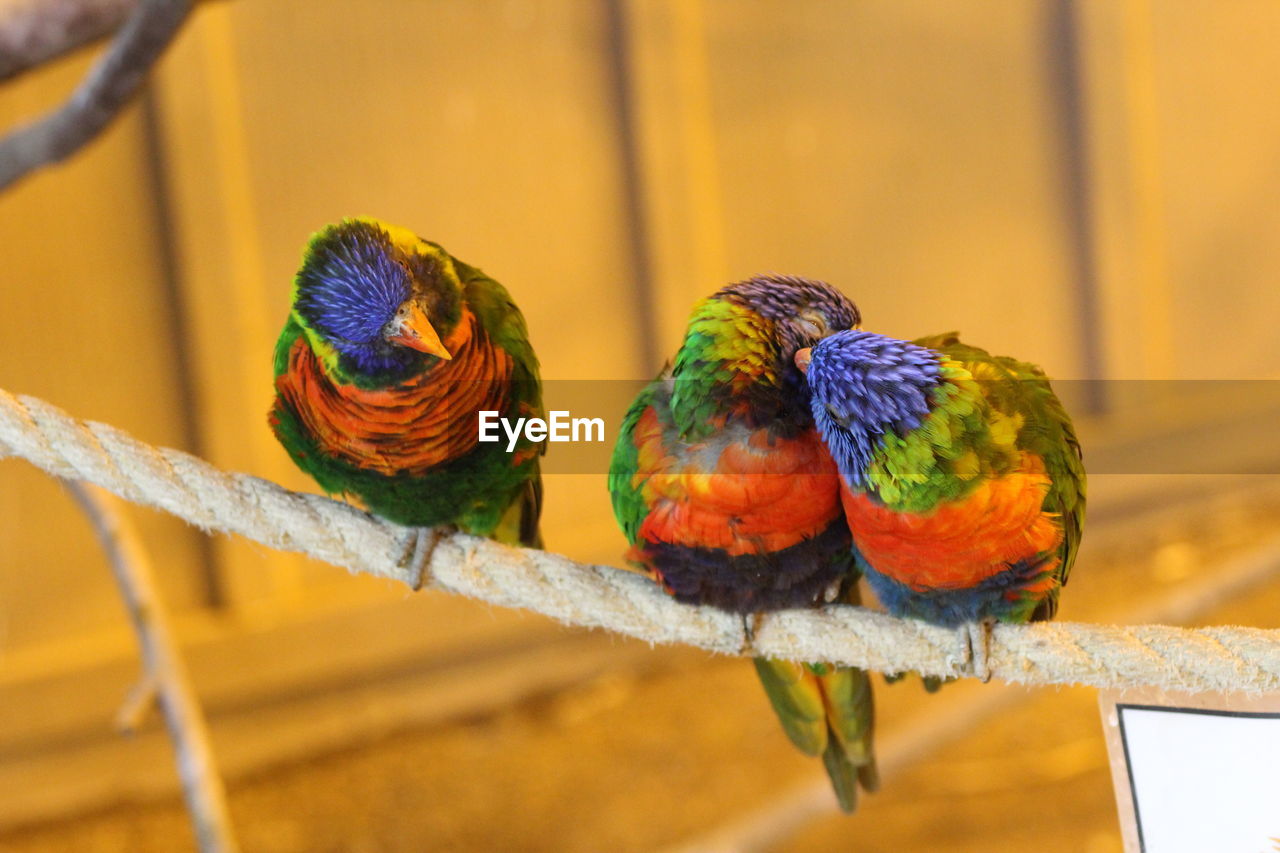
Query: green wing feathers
{"type": "Point", "coordinates": [505, 325]}
{"type": "Point", "coordinates": [629, 506]}
{"type": "Point", "coordinates": [519, 523]}
{"type": "Point", "coordinates": [1046, 430]}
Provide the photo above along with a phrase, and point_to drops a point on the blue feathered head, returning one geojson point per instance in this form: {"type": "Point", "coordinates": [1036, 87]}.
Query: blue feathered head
{"type": "Point", "coordinates": [377, 294]}
{"type": "Point", "coordinates": [863, 385]}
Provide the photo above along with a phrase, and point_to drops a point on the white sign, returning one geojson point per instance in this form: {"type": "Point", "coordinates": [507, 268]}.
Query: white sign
{"type": "Point", "coordinates": [1202, 773]}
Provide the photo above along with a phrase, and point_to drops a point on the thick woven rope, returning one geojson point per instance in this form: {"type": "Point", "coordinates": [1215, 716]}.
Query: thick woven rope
{"type": "Point", "coordinates": [1214, 658]}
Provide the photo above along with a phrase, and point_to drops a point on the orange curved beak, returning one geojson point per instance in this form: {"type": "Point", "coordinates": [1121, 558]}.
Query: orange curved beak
{"type": "Point", "coordinates": [802, 358]}
{"type": "Point", "coordinates": [416, 332]}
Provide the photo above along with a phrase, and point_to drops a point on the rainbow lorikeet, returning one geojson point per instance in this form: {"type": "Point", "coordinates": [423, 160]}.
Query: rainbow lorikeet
{"type": "Point", "coordinates": [728, 498]}
{"type": "Point", "coordinates": [963, 481]}
{"type": "Point", "coordinates": [391, 349]}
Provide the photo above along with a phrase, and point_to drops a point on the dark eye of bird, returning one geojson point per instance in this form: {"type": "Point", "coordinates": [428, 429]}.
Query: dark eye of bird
{"type": "Point", "coordinates": [399, 317]}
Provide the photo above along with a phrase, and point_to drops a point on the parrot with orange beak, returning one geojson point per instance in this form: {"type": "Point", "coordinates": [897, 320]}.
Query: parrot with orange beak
{"type": "Point", "coordinates": [391, 349]}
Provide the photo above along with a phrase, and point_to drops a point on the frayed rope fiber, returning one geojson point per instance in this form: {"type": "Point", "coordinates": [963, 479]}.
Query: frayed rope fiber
{"type": "Point", "coordinates": [1216, 658]}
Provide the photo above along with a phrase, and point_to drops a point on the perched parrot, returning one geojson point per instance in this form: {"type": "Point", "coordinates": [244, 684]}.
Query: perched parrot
{"type": "Point", "coordinates": [728, 498]}
{"type": "Point", "coordinates": [962, 478]}
{"type": "Point", "coordinates": [391, 348]}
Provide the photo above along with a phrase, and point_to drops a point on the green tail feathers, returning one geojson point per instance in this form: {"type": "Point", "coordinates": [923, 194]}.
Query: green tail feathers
{"type": "Point", "coordinates": [828, 711]}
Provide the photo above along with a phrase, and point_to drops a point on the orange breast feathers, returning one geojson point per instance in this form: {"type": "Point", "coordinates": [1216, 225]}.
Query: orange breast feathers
{"type": "Point", "coordinates": [962, 542]}
{"type": "Point", "coordinates": [411, 427]}
{"type": "Point", "coordinates": [753, 495]}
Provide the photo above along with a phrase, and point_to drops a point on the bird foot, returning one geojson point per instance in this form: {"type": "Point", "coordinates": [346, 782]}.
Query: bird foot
{"type": "Point", "coordinates": [750, 624]}
{"type": "Point", "coordinates": [975, 648]}
{"type": "Point", "coordinates": [832, 592]}
{"type": "Point", "coordinates": [417, 556]}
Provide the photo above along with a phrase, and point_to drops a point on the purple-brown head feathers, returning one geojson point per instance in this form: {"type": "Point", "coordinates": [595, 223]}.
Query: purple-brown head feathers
{"type": "Point", "coordinates": [739, 348]}
{"type": "Point", "coordinates": [801, 310]}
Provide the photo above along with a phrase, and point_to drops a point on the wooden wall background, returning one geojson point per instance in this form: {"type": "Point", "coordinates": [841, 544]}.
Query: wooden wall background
{"type": "Point", "coordinates": [1090, 185]}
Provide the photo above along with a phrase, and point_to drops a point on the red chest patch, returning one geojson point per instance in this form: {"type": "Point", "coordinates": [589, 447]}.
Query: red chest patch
{"type": "Point", "coordinates": [411, 427]}
{"type": "Point", "coordinates": [963, 542]}
{"type": "Point", "coordinates": [758, 495]}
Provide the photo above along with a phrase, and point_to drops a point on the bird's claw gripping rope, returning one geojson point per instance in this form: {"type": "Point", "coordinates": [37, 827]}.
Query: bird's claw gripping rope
{"type": "Point", "coordinates": [750, 624]}
{"type": "Point", "coordinates": [417, 556]}
{"type": "Point", "coordinates": [975, 649]}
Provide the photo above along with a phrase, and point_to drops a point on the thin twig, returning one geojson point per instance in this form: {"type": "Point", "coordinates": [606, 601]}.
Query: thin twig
{"type": "Point", "coordinates": [101, 95]}
{"type": "Point", "coordinates": [201, 784]}
{"type": "Point", "coordinates": [137, 704]}
{"type": "Point", "coordinates": [34, 31]}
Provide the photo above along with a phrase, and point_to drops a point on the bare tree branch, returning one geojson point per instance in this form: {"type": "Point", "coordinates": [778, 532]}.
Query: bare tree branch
{"type": "Point", "coordinates": [103, 93]}
{"type": "Point", "coordinates": [164, 668]}
{"type": "Point", "coordinates": [35, 31]}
